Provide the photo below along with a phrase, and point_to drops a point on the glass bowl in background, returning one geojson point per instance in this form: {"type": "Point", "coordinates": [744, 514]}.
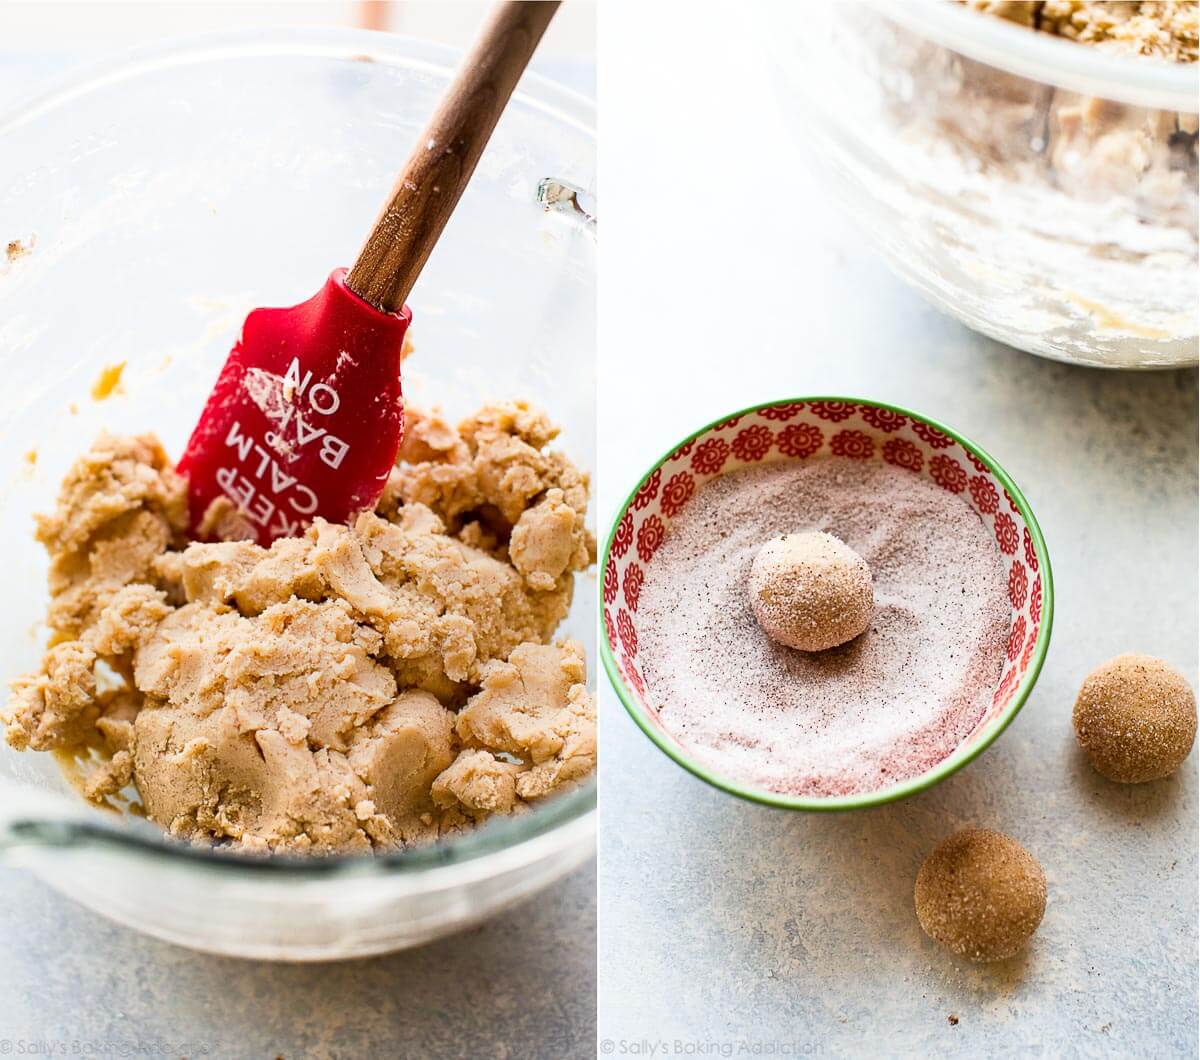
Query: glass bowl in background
{"type": "Point", "coordinates": [162, 197]}
{"type": "Point", "coordinates": [1040, 191]}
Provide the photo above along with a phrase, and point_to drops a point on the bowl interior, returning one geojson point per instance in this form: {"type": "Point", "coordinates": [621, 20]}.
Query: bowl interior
{"type": "Point", "coordinates": [814, 429]}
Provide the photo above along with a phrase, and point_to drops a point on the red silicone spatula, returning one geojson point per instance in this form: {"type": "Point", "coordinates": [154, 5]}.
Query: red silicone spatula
{"type": "Point", "coordinates": [306, 416]}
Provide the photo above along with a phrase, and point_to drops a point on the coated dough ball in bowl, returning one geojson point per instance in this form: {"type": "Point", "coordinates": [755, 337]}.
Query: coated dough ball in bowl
{"type": "Point", "coordinates": [811, 591]}
{"type": "Point", "coordinates": [1136, 718]}
{"type": "Point", "coordinates": [981, 895]}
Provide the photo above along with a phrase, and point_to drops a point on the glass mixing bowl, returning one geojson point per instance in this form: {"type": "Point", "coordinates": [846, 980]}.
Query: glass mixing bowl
{"type": "Point", "coordinates": [157, 200]}
{"type": "Point", "coordinates": [1042, 192]}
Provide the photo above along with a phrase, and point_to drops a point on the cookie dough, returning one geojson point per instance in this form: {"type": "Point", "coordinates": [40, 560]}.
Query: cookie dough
{"type": "Point", "coordinates": [363, 686]}
{"type": "Point", "coordinates": [1135, 716]}
{"type": "Point", "coordinates": [811, 591]}
{"type": "Point", "coordinates": [981, 895]}
{"type": "Point", "coordinates": [1159, 29]}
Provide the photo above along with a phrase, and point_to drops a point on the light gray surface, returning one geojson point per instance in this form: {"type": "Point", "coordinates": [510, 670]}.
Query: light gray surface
{"type": "Point", "coordinates": [725, 923]}
{"type": "Point", "coordinates": [523, 985]}
{"type": "Point", "coordinates": [723, 920]}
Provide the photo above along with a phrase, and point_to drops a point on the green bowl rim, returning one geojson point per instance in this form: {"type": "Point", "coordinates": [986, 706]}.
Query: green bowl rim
{"type": "Point", "coordinates": [949, 765]}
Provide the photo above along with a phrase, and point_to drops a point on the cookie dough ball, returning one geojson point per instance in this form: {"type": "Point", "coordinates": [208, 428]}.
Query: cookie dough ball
{"type": "Point", "coordinates": [811, 591]}
{"type": "Point", "coordinates": [981, 895]}
{"type": "Point", "coordinates": [1136, 718]}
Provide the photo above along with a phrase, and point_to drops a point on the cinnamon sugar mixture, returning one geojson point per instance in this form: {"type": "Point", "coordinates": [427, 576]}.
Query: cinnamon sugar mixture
{"type": "Point", "coordinates": [883, 708]}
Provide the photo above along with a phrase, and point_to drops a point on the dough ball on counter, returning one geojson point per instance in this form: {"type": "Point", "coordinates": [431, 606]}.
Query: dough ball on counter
{"type": "Point", "coordinates": [1135, 716]}
{"type": "Point", "coordinates": [981, 895]}
{"type": "Point", "coordinates": [811, 591]}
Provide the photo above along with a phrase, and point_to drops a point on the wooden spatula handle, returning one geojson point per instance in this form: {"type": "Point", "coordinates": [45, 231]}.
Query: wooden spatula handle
{"type": "Point", "coordinates": [441, 164]}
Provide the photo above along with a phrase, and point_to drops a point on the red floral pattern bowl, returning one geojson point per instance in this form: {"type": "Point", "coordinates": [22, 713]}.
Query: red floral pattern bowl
{"type": "Point", "coordinates": [805, 429]}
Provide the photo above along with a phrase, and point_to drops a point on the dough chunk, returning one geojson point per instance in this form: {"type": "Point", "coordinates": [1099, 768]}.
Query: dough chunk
{"type": "Point", "coordinates": [276, 785]}
{"type": "Point", "coordinates": [536, 706]}
{"type": "Point", "coordinates": [57, 706]}
{"type": "Point", "coordinates": [478, 783]}
{"type": "Point", "coordinates": [294, 660]}
{"type": "Point", "coordinates": [547, 540]}
{"type": "Point", "coordinates": [120, 506]}
{"type": "Point", "coordinates": [495, 469]}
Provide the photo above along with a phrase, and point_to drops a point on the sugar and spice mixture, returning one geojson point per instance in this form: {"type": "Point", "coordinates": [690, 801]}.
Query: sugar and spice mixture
{"type": "Point", "coordinates": [884, 707]}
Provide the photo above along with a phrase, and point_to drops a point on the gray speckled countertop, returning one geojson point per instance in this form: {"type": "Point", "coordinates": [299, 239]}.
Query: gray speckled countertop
{"type": "Point", "coordinates": [522, 985]}
{"type": "Point", "coordinates": [724, 921]}
{"type": "Point", "coordinates": [727, 926]}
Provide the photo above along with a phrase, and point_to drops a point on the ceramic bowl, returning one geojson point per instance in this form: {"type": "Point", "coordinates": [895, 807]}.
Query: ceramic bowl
{"type": "Point", "coordinates": [808, 429]}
